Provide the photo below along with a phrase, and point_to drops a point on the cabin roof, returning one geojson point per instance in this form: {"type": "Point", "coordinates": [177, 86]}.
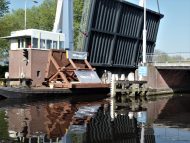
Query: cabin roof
{"type": "Point", "coordinates": [15, 37]}
{"type": "Point", "coordinates": [35, 33]}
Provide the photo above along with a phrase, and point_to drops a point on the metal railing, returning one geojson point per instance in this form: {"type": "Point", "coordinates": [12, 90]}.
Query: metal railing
{"type": "Point", "coordinates": [182, 57]}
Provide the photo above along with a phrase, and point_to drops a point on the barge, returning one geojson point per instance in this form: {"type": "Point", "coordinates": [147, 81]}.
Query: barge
{"type": "Point", "coordinates": [38, 65]}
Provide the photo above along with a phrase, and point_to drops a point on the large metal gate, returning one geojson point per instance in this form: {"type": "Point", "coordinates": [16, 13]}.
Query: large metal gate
{"type": "Point", "coordinates": [115, 33]}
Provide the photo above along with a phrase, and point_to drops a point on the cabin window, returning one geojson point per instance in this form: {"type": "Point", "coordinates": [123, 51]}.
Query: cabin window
{"type": "Point", "coordinates": [28, 42]}
{"type": "Point", "coordinates": [20, 43]}
{"type": "Point", "coordinates": [61, 44]}
{"type": "Point", "coordinates": [35, 43]}
{"type": "Point", "coordinates": [38, 74]}
{"type": "Point", "coordinates": [49, 44]}
{"type": "Point", "coordinates": [54, 44]}
{"type": "Point", "coordinates": [42, 44]}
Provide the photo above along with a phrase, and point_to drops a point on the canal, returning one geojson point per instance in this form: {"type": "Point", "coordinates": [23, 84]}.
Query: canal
{"type": "Point", "coordinates": [88, 119]}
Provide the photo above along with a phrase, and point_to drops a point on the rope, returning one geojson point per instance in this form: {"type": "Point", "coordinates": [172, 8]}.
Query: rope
{"type": "Point", "coordinates": [158, 6]}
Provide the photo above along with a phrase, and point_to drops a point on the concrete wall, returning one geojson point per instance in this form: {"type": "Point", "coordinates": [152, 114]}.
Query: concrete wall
{"type": "Point", "coordinates": [168, 78]}
{"type": "Point", "coordinates": [37, 63]}
{"type": "Point", "coordinates": [155, 79]}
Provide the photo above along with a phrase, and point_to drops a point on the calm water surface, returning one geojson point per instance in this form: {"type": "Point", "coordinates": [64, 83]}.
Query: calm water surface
{"type": "Point", "coordinates": [80, 119]}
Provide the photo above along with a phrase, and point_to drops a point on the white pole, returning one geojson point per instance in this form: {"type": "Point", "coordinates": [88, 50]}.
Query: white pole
{"type": "Point", "coordinates": [25, 15]}
{"type": "Point", "coordinates": [142, 134]}
{"type": "Point", "coordinates": [144, 34]}
{"type": "Point", "coordinates": [25, 11]}
{"type": "Point", "coordinates": [113, 85]}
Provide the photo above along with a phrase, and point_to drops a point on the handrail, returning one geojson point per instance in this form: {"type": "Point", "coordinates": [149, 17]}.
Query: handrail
{"type": "Point", "coordinates": [179, 57]}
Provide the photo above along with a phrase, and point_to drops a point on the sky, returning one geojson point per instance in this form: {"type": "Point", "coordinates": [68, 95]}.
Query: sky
{"type": "Point", "coordinates": [15, 4]}
{"type": "Point", "coordinates": [174, 30]}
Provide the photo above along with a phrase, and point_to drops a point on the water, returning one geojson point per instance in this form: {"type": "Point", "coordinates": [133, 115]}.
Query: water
{"type": "Point", "coordinates": [82, 119]}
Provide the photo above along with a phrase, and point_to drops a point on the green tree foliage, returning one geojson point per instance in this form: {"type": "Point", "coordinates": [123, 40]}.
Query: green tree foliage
{"type": "Point", "coordinates": [78, 7]}
{"type": "Point", "coordinates": [41, 17]}
{"type": "Point", "coordinates": [3, 69]}
{"type": "Point", "coordinates": [4, 7]}
{"type": "Point", "coordinates": [3, 126]}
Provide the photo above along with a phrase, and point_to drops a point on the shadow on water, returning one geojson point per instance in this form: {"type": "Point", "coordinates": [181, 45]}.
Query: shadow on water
{"type": "Point", "coordinates": [176, 112]}
{"type": "Point", "coordinates": [96, 119]}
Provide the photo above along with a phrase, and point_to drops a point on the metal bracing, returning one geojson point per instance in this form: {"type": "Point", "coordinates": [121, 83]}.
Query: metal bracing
{"type": "Point", "coordinates": [64, 72]}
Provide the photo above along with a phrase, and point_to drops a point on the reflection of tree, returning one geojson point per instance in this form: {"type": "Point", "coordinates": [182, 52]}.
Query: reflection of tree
{"type": "Point", "coordinates": [3, 126]}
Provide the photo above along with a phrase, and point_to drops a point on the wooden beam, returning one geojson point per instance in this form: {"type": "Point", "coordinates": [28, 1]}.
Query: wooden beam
{"type": "Point", "coordinates": [54, 63]}
{"type": "Point", "coordinates": [73, 64]}
{"type": "Point", "coordinates": [88, 65]}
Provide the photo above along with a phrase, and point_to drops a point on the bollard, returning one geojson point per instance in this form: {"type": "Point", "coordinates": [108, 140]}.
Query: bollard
{"type": "Point", "coordinates": [38, 139]}
{"type": "Point", "coordinates": [57, 140]}
{"type": "Point", "coordinates": [30, 140]}
{"type": "Point", "coordinates": [113, 86]}
{"type": "Point", "coordinates": [112, 109]}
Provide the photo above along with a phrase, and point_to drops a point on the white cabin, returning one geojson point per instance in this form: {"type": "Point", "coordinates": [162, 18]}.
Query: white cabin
{"type": "Point", "coordinates": [36, 39]}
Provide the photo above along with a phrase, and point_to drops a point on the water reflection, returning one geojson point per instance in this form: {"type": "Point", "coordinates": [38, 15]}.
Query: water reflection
{"type": "Point", "coordinates": [117, 120]}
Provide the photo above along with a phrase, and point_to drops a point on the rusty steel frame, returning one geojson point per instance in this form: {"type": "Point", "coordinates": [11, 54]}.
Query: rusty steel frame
{"type": "Point", "coordinates": [60, 71]}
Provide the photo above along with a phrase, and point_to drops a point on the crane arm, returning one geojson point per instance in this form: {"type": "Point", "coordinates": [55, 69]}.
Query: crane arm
{"type": "Point", "coordinates": [64, 21]}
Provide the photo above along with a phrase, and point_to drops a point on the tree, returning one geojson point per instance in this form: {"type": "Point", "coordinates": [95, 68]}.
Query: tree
{"type": "Point", "coordinates": [4, 7]}
{"type": "Point", "coordinates": [78, 7]}
{"type": "Point", "coordinates": [41, 17]}
{"type": "Point", "coordinates": [10, 22]}
{"type": "Point", "coordinates": [4, 126]}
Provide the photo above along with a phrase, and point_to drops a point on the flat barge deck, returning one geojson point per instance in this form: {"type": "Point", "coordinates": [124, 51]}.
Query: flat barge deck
{"type": "Point", "coordinates": [13, 92]}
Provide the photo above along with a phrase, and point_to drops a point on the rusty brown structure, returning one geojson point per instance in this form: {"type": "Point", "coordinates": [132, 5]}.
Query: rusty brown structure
{"type": "Point", "coordinates": [45, 67]}
{"type": "Point", "coordinates": [60, 71]}
{"type": "Point", "coordinates": [31, 67]}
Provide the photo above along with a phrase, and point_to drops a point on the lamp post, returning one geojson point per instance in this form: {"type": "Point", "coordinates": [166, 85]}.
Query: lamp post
{"type": "Point", "coordinates": [25, 11]}
{"type": "Point", "coordinates": [144, 34]}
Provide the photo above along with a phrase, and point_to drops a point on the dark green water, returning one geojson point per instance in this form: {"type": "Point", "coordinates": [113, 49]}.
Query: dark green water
{"type": "Point", "coordinates": [81, 119]}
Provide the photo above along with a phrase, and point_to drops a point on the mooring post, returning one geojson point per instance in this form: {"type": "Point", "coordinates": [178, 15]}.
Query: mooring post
{"type": "Point", "coordinates": [113, 86]}
{"type": "Point", "coordinates": [38, 139]}
{"type": "Point", "coordinates": [112, 108]}
{"type": "Point", "coordinates": [29, 140]}
{"type": "Point", "coordinates": [57, 140]}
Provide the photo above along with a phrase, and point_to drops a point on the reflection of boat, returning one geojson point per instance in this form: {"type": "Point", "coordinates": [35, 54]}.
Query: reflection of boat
{"type": "Point", "coordinates": [51, 119]}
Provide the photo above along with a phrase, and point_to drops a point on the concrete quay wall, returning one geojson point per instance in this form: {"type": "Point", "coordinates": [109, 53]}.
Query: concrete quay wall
{"type": "Point", "coordinates": [162, 81]}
